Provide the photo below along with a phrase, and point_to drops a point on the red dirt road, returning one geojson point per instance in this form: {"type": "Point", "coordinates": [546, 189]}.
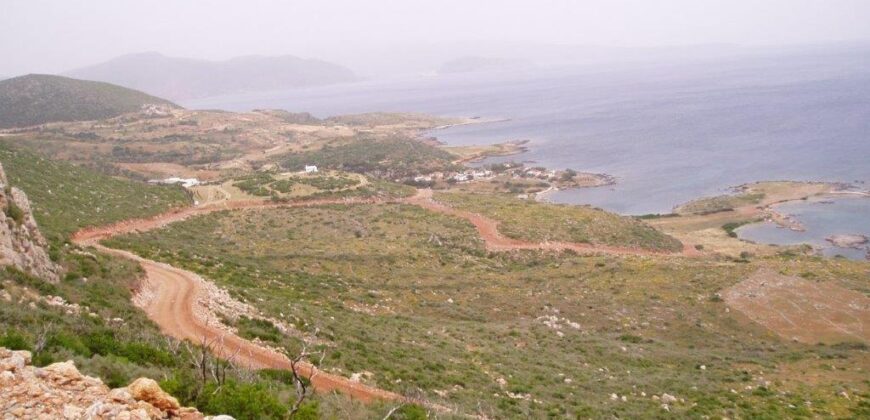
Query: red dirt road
{"type": "Point", "coordinates": [175, 293]}
{"type": "Point", "coordinates": [495, 241]}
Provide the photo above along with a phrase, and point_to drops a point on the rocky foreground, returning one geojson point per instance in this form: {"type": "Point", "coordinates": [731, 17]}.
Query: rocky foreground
{"type": "Point", "coordinates": [59, 391]}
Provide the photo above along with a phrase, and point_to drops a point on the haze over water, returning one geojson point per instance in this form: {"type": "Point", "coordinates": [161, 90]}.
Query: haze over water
{"type": "Point", "coordinates": [668, 132]}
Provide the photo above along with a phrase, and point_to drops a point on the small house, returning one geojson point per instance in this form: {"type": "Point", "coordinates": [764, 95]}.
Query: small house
{"type": "Point", "coordinates": [310, 169]}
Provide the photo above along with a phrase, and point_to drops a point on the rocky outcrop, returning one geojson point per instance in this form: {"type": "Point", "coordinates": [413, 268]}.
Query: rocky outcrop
{"type": "Point", "coordinates": [21, 243]}
{"type": "Point", "coordinates": [848, 241]}
{"type": "Point", "coordinates": [59, 391]}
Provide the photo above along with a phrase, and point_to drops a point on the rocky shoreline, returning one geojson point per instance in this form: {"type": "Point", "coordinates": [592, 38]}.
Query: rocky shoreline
{"type": "Point", "coordinates": [855, 241]}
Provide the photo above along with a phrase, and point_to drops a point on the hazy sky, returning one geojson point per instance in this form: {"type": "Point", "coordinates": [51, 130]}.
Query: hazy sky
{"type": "Point", "coordinates": [54, 36]}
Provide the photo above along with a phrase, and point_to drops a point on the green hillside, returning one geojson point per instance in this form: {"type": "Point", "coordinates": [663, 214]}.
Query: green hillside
{"type": "Point", "coordinates": [37, 98]}
{"type": "Point", "coordinates": [413, 297]}
{"type": "Point", "coordinates": [533, 221]}
{"type": "Point", "coordinates": [67, 197]}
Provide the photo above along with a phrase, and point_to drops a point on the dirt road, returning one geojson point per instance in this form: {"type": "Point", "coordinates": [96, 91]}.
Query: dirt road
{"type": "Point", "coordinates": [495, 241]}
{"type": "Point", "coordinates": [172, 297]}
{"type": "Point", "coordinates": [175, 296]}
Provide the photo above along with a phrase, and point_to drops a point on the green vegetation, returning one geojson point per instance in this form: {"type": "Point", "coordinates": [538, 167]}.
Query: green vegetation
{"type": "Point", "coordinates": [265, 184]}
{"type": "Point", "coordinates": [258, 328]}
{"type": "Point", "coordinates": [38, 99]}
{"type": "Point", "coordinates": [67, 197]}
{"type": "Point", "coordinates": [304, 118]}
{"type": "Point", "coordinates": [102, 285]}
{"type": "Point", "coordinates": [412, 297]}
{"type": "Point", "coordinates": [326, 183]}
{"type": "Point", "coordinates": [721, 203]}
{"type": "Point", "coordinates": [14, 212]}
{"type": "Point", "coordinates": [109, 338]}
{"type": "Point", "coordinates": [652, 216]}
{"type": "Point", "coordinates": [532, 221]}
{"type": "Point", "coordinates": [105, 334]}
{"type": "Point", "coordinates": [731, 227]}
{"type": "Point", "coordinates": [371, 119]}
{"type": "Point", "coordinates": [390, 158]}
{"type": "Point", "coordinates": [256, 183]}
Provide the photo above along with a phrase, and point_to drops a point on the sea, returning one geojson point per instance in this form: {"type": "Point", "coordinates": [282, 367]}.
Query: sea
{"type": "Point", "coordinates": [668, 131]}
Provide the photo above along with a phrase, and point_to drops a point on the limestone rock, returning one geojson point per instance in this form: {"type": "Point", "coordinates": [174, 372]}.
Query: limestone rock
{"type": "Point", "coordinates": [144, 389]}
{"type": "Point", "coordinates": [60, 391]}
{"type": "Point", "coordinates": [21, 243]}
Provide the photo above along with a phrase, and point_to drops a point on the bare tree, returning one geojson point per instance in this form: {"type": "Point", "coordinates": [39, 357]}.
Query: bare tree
{"type": "Point", "coordinates": [303, 383]}
{"type": "Point", "coordinates": [393, 411]}
{"type": "Point", "coordinates": [42, 337]}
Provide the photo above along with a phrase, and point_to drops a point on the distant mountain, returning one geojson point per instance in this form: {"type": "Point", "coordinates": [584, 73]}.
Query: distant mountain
{"type": "Point", "coordinates": [184, 78]}
{"type": "Point", "coordinates": [38, 98]}
{"type": "Point", "coordinates": [474, 64]}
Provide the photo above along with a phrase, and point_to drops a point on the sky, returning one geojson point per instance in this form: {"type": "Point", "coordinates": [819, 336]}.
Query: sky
{"type": "Point", "coordinates": [45, 36]}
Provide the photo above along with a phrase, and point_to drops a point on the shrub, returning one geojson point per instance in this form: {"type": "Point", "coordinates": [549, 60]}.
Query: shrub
{"type": "Point", "coordinates": [14, 212]}
{"type": "Point", "coordinates": [258, 328]}
{"type": "Point", "coordinates": [141, 353]}
{"type": "Point", "coordinates": [411, 412]}
{"type": "Point", "coordinates": [731, 228]}
{"type": "Point", "coordinates": [14, 340]}
{"type": "Point", "coordinates": [241, 400]}
{"type": "Point", "coordinates": [70, 342]}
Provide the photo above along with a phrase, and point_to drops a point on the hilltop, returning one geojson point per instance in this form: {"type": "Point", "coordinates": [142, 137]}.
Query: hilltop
{"type": "Point", "coordinates": [39, 98]}
{"type": "Point", "coordinates": [184, 78]}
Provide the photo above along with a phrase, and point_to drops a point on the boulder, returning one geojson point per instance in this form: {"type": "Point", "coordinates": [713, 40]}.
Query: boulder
{"type": "Point", "coordinates": [144, 389]}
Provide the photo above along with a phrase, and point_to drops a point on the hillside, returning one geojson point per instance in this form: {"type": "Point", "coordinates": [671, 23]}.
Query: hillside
{"type": "Point", "coordinates": [67, 197]}
{"type": "Point", "coordinates": [38, 98]}
{"type": "Point", "coordinates": [410, 301]}
{"type": "Point", "coordinates": [185, 78]}
{"type": "Point", "coordinates": [89, 316]}
{"type": "Point", "coordinates": [529, 220]}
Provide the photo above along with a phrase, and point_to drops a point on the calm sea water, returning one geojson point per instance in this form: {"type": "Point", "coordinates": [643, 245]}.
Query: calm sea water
{"type": "Point", "coordinates": [668, 132]}
{"type": "Point", "coordinates": [821, 218]}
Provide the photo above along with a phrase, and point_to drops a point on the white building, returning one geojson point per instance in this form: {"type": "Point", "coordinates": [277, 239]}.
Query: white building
{"type": "Point", "coordinates": [185, 182]}
{"type": "Point", "coordinates": [310, 168]}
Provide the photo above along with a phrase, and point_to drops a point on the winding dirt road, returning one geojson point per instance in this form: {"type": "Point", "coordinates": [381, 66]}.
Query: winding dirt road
{"type": "Point", "coordinates": [172, 297]}
{"type": "Point", "coordinates": [495, 241]}
{"type": "Point", "coordinates": [175, 296]}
